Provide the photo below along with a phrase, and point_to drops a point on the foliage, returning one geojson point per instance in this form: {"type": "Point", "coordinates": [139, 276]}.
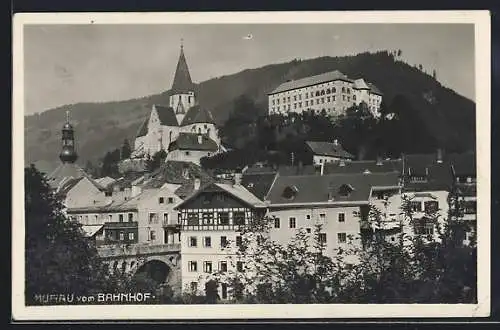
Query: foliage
{"type": "Point", "coordinates": [154, 162]}
{"type": "Point", "coordinates": [59, 259]}
{"type": "Point", "coordinates": [412, 269]}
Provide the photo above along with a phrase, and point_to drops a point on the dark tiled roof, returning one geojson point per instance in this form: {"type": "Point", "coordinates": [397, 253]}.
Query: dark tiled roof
{"type": "Point", "coordinates": [258, 184]}
{"type": "Point", "coordinates": [310, 81]}
{"type": "Point", "coordinates": [360, 166]}
{"type": "Point", "coordinates": [173, 172]}
{"type": "Point", "coordinates": [328, 149]}
{"type": "Point", "coordinates": [374, 89]}
{"type": "Point", "coordinates": [438, 175]}
{"type": "Point", "coordinates": [143, 129]}
{"type": "Point", "coordinates": [317, 188]}
{"type": "Point", "coordinates": [297, 170]}
{"type": "Point", "coordinates": [463, 164]}
{"type": "Point", "coordinates": [182, 79]}
{"type": "Point", "coordinates": [197, 115]}
{"type": "Point", "coordinates": [189, 141]}
{"type": "Point", "coordinates": [166, 115]}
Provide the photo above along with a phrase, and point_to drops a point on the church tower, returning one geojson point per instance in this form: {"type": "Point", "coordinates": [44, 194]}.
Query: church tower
{"type": "Point", "coordinates": [182, 92]}
{"type": "Point", "coordinates": [68, 152]}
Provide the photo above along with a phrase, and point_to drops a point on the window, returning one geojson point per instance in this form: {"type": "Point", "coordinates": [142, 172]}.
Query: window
{"type": "Point", "coordinates": [334, 91]}
{"type": "Point", "coordinates": [170, 200]}
{"type": "Point", "coordinates": [130, 217]}
{"type": "Point", "coordinates": [469, 207]}
{"type": "Point", "coordinates": [152, 235]}
{"type": "Point", "coordinates": [295, 97]}
{"type": "Point", "coordinates": [322, 216]}
{"type": "Point", "coordinates": [161, 200]}
{"type": "Point", "coordinates": [308, 230]}
{"type": "Point", "coordinates": [289, 99]}
{"type": "Point", "coordinates": [240, 266]}
{"type": "Point", "coordinates": [317, 93]}
{"type": "Point", "coordinates": [292, 222]}
{"type": "Point", "coordinates": [276, 222]}
{"type": "Point", "coordinates": [308, 217]}
{"type": "Point", "coordinates": [239, 218]}
{"type": "Point", "coordinates": [317, 101]}
{"type": "Point", "coordinates": [423, 227]}
{"type": "Point", "coordinates": [166, 218]}
{"type": "Point", "coordinates": [120, 217]}
{"type": "Point", "coordinates": [223, 241]}
{"type": "Point", "coordinates": [108, 194]}
{"type": "Point", "coordinates": [307, 103]}
{"type": "Point", "coordinates": [122, 236]}
{"type": "Point", "coordinates": [416, 206]}
{"type": "Point", "coordinates": [342, 237]}
{"type": "Point", "coordinates": [207, 241]}
{"type": "Point", "coordinates": [322, 238]}
{"type": "Point", "coordinates": [431, 206]}
{"type": "Point", "coordinates": [223, 290]}
{"type": "Point", "coordinates": [130, 236]}
{"type": "Point", "coordinates": [354, 97]}
{"type": "Point", "coordinates": [307, 96]}
{"type": "Point", "coordinates": [328, 99]}
{"type": "Point", "coordinates": [341, 217]}
{"type": "Point", "coordinates": [238, 240]}
{"type": "Point", "coordinates": [186, 153]}
{"type": "Point", "coordinates": [152, 218]}
{"type": "Point", "coordinates": [223, 266]}
{"type": "Point", "coordinates": [110, 217]}
{"type": "Point", "coordinates": [223, 218]}
{"type": "Point", "coordinates": [193, 241]}
{"type": "Point", "coordinates": [193, 266]}
{"type": "Point", "coordinates": [322, 100]}
{"type": "Point", "coordinates": [208, 218]}
{"type": "Point", "coordinates": [193, 219]}
{"type": "Point", "coordinates": [328, 91]}
{"type": "Point", "coordinates": [207, 266]}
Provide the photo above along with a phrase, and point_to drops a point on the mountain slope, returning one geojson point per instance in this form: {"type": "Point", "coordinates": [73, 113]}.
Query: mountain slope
{"type": "Point", "coordinates": [102, 126]}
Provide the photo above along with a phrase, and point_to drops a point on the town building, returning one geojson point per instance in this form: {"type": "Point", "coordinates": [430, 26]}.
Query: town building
{"type": "Point", "coordinates": [331, 93]}
{"type": "Point", "coordinates": [211, 219]}
{"type": "Point", "coordinates": [184, 129]}
{"type": "Point", "coordinates": [328, 152]}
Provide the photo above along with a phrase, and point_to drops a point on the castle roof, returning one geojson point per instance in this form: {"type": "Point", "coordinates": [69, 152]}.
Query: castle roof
{"type": "Point", "coordinates": [197, 115]}
{"type": "Point", "coordinates": [311, 81]}
{"type": "Point", "coordinates": [374, 89]}
{"type": "Point", "coordinates": [143, 129]}
{"type": "Point", "coordinates": [182, 79]}
{"type": "Point", "coordinates": [189, 141]}
{"type": "Point", "coordinates": [360, 84]}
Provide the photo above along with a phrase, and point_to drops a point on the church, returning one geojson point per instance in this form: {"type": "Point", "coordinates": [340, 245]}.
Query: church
{"type": "Point", "coordinates": [185, 130]}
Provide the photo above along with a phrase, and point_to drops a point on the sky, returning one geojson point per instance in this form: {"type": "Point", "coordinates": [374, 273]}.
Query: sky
{"type": "Point", "coordinates": [66, 64]}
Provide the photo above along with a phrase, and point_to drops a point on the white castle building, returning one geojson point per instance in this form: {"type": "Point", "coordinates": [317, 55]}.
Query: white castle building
{"type": "Point", "coordinates": [330, 92]}
{"type": "Point", "coordinates": [184, 129]}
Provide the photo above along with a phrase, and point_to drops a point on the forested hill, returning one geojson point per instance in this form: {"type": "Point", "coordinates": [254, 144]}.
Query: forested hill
{"type": "Point", "coordinates": [100, 127]}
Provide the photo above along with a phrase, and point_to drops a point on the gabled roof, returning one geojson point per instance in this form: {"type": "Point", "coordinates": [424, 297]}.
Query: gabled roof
{"type": "Point", "coordinates": [166, 115]}
{"type": "Point", "coordinates": [182, 79]}
{"type": "Point", "coordinates": [174, 172]}
{"type": "Point", "coordinates": [64, 172]}
{"type": "Point", "coordinates": [310, 81]}
{"type": "Point", "coordinates": [237, 191]}
{"type": "Point", "coordinates": [311, 189]}
{"type": "Point", "coordinates": [189, 141]}
{"type": "Point", "coordinates": [105, 181]}
{"type": "Point", "coordinates": [328, 149]}
{"type": "Point", "coordinates": [143, 129]}
{"type": "Point", "coordinates": [360, 84]}
{"type": "Point", "coordinates": [438, 175]}
{"type": "Point", "coordinates": [258, 184]}
{"type": "Point", "coordinates": [197, 115]}
{"type": "Point", "coordinates": [374, 89]}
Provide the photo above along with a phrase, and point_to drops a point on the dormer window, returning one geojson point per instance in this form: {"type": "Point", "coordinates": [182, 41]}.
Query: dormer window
{"type": "Point", "coordinates": [290, 192]}
{"type": "Point", "coordinates": [345, 190]}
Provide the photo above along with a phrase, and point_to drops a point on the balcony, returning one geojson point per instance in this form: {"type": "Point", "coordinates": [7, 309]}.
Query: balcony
{"type": "Point", "coordinates": [110, 251]}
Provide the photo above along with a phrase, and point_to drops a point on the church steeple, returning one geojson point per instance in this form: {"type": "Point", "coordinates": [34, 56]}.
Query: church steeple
{"type": "Point", "coordinates": [182, 80]}
{"type": "Point", "coordinates": [68, 152]}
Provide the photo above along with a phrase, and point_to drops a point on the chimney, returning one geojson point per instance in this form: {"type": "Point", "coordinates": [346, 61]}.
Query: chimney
{"type": "Point", "coordinates": [439, 156]}
{"type": "Point", "coordinates": [237, 179]}
{"type": "Point", "coordinates": [200, 139]}
{"type": "Point", "coordinates": [197, 184]}
{"type": "Point", "coordinates": [379, 161]}
{"type": "Point", "coordinates": [336, 142]}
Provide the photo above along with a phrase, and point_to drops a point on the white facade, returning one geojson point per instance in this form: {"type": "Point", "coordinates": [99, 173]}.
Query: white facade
{"type": "Point", "coordinates": [332, 97]}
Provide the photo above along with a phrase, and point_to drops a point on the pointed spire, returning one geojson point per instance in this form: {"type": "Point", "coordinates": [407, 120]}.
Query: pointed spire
{"type": "Point", "coordinates": [182, 79]}
{"type": "Point", "coordinates": [67, 116]}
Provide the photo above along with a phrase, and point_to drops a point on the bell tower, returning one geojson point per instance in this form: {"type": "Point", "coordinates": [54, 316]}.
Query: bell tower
{"type": "Point", "coordinates": [182, 92]}
{"type": "Point", "coordinates": [68, 152]}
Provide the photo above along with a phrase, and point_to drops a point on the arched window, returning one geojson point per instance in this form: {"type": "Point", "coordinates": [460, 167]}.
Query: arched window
{"type": "Point", "coordinates": [343, 89]}
{"type": "Point", "coordinates": [317, 93]}
{"type": "Point", "coordinates": [323, 92]}
{"type": "Point", "coordinates": [348, 91]}
{"type": "Point", "coordinates": [328, 91]}
{"type": "Point", "coordinates": [334, 90]}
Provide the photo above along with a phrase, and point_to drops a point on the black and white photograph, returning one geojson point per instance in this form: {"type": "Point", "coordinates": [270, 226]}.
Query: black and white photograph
{"type": "Point", "coordinates": [256, 165]}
